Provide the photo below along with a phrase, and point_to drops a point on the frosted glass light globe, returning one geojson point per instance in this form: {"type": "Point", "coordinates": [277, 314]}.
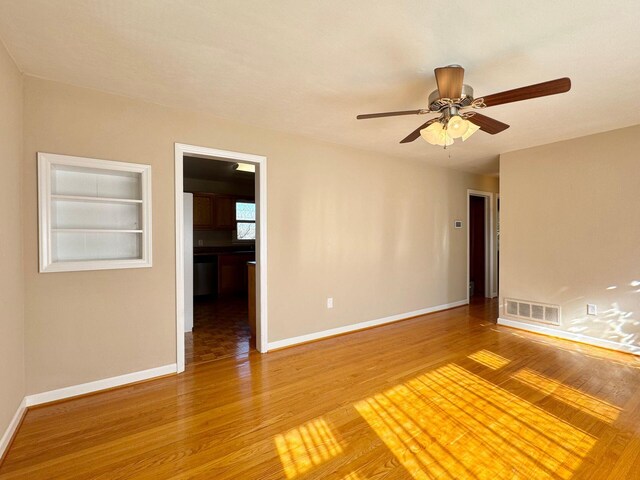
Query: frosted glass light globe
{"type": "Point", "coordinates": [457, 126]}
{"type": "Point", "coordinates": [473, 128]}
{"type": "Point", "coordinates": [444, 139]}
{"type": "Point", "coordinates": [432, 133]}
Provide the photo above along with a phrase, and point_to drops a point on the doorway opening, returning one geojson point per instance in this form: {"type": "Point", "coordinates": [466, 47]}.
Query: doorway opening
{"type": "Point", "coordinates": [220, 254]}
{"type": "Point", "coordinates": [480, 245]}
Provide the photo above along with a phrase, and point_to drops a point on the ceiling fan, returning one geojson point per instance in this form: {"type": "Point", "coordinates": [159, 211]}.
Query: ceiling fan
{"type": "Point", "coordinates": [454, 102]}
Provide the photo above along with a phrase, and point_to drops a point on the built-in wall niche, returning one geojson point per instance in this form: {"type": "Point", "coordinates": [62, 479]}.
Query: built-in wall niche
{"type": "Point", "coordinates": [94, 214]}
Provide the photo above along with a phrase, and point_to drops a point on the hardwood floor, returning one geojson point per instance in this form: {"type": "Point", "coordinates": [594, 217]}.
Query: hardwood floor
{"type": "Point", "coordinates": [220, 330]}
{"type": "Point", "coordinates": [449, 396]}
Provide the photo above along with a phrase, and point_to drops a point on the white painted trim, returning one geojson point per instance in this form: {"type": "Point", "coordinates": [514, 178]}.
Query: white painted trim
{"type": "Point", "coordinates": [261, 239]}
{"type": "Point", "coordinates": [96, 386]}
{"type": "Point", "coordinates": [74, 391]}
{"type": "Point", "coordinates": [45, 163]}
{"type": "Point", "coordinates": [490, 266]}
{"type": "Point", "coordinates": [179, 207]}
{"type": "Point", "coordinates": [287, 342]}
{"type": "Point", "coordinates": [495, 285]}
{"type": "Point", "coordinates": [576, 337]}
{"type": "Point", "coordinates": [12, 427]}
{"type": "Point", "coordinates": [262, 331]}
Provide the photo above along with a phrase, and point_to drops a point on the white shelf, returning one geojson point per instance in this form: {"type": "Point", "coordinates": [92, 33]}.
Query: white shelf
{"type": "Point", "coordinates": [94, 214]}
{"type": "Point", "coordinates": [82, 198]}
{"type": "Point", "coordinates": [93, 230]}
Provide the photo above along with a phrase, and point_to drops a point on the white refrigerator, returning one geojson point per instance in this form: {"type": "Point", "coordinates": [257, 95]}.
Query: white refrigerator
{"type": "Point", "coordinates": [188, 260]}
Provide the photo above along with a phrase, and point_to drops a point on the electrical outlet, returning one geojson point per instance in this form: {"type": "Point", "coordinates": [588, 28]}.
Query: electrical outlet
{"type": "Point", "coordinates": [592, 309]}
{"type": "Point", "coordinates": [330, 302]}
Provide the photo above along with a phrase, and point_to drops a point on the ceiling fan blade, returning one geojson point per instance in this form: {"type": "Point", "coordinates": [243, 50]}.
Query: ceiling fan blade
{"type": "Point", "coordinates": [488, 124]}
{"type": "Point", "coordinates": [543, 89]}
{"type": "Point", "coordinates": [449, 80]}
{"type": "Point", "coordinates": [391, 114]}
{"type": "Point", "coordinates": [416, 133]}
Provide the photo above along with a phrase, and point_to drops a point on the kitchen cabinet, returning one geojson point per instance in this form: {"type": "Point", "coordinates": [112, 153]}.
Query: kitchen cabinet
{"type": "Point", "coordinates": [232, 273]}
{"type": "Point", "coordinates": [202, 211]}
{"type": "Point", "coordinates": [215, 211]}
{"type": "Point", "coordinates": [224, 212]}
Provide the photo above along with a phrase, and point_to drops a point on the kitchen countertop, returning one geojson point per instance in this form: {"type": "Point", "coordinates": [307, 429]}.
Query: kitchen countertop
{"type": "Point", "coordinates": [230, 250]}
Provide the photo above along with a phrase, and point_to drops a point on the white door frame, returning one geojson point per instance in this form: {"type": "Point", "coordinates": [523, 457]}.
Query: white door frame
{"type": "Point", "coordinates": [261, 239]}
{"type": "Point", "coordinates": [489, 259]}
{"type": "Point", "coordinates": [496, 287]}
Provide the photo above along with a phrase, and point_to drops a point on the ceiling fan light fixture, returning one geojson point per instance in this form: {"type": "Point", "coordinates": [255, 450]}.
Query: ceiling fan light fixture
{"type": "Point", "coordinates": [436, 134]}
{"type": "Point", "coordinates": [432, 133]}
{"type": "Point", "coordinates": [457, 126]}
{"type": "Point", "coordinates": [473, 128]}
{"type": "Point", "coordinates": [445, 139]}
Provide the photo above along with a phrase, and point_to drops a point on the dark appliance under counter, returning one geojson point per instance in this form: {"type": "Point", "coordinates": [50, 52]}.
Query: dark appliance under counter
{"type": "Point", "coordinates": [205, 274]}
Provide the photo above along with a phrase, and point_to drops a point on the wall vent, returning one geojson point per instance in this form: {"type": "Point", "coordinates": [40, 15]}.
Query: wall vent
{"type": "Point", "coordinates": [533, 311]}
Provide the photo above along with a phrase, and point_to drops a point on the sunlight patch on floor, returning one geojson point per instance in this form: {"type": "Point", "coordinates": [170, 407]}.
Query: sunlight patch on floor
{"type": "Point", "coordinates": [353, 476]}
{"type": "Point", "coordinates": [571, 396]}
{"type": "Point", "coordinates": [489, 359]}
{"type": "Point", "coordinates": [304, 447]}
{"type": "Point", "coordinates": [450, 423]}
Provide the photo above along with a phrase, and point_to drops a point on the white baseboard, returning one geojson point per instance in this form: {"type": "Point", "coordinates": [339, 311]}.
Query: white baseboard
{"type": "Point", "coordinates": [84, 388]}
{"type": "Point", "coordinates": [576, 337]}
{"type": "Point", "coordinates": [288, 342]}
{"type": "Point", "coordinates": [12, 427]}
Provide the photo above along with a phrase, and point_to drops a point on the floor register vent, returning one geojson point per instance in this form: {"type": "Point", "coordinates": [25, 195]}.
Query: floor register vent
{"type": "Point", "coordinates": [538, 312]}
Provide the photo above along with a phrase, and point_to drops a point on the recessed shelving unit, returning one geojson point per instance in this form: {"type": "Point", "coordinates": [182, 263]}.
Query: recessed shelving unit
{"type": "Point", "coordinates": [94, 214]}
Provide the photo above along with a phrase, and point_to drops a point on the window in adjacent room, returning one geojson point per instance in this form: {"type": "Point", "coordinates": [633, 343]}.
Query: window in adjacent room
{"type": "Point", "coordinates": [245, 220]}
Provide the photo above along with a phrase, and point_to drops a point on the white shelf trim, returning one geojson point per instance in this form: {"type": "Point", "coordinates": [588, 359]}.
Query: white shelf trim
{"type": "Point", "coordinates": [81, 198]}
{"type": "Point", "coordinates": [97, 264]}
{"type": "Point", "coordinates": [93, 230]}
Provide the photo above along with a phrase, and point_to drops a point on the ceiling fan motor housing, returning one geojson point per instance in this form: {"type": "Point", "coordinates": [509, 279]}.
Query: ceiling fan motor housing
{"type": "Point", "coordinates": [436, 103]}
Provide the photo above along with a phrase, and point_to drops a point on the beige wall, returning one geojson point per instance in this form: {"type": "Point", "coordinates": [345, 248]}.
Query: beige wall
{"type": "Point", "coordinates": [12, 369]}
{"type": "Point", "coordinates": [373, 232]}
{"type": "Point", "coordinates": [570, 229]}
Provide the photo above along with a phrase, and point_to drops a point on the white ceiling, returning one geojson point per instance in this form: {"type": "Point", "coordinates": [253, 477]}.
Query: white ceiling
{"type": "Point", "coordinates": [310, 67]}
